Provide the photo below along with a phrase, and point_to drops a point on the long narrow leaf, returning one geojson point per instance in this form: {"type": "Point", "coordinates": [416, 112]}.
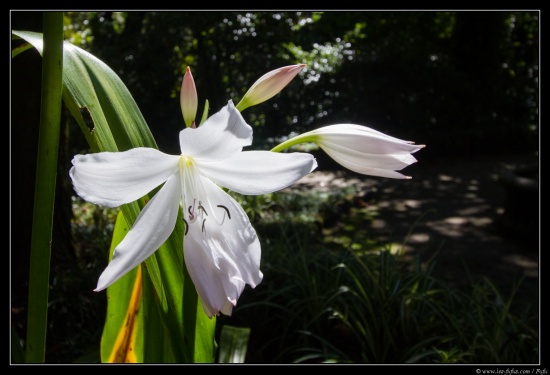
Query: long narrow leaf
{"type": "Point", "coordinates": [111, 121]}
{"type": "Point", "coordinates": [44, 190]}
{"type": "Point", "coordinates": [122, 340]}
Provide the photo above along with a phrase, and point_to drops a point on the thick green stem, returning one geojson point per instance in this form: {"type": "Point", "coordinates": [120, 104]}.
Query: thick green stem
{"type": "Point", "coordinates": [302, 138]}
{"type": "Point", "coordinates": [44, 194]}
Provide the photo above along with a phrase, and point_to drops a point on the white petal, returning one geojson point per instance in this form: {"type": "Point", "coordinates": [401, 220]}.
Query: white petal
{"type": "Point", "coordinates": [206, 279]}
{"type": "Point", "coordinates": [221, 136]}
{"type": "Point", "coordinates": [365, 150]}
{"type": "Point", "coordinates": [259, 172]}
{"type": "Point", "coordinates": [358, 134]}
{"type": "Point", "coordinates": [365, 139]}
{"type": "Point", "coordinates": [360, 166]}
{"type": "Point", "coordinates": [114, 178]}
{"type": "Point", "coordinates": [151, 229]}
{"type": "Point", "coordinates": [396, 160]}
{"type": "Point", "coordinates": [222, 251]}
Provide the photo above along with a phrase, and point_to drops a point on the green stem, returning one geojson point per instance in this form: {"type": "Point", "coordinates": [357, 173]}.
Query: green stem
{"type": "Point", "coordinates": [44, 194]}
{"type": "Point", "coordinates": [302, 138]}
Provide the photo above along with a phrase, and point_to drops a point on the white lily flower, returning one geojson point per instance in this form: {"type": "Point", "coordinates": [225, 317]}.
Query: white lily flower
{"type": "Point", "coordinates": [221, 248]}
{"type": "Point", "coordinates": [361, 149]}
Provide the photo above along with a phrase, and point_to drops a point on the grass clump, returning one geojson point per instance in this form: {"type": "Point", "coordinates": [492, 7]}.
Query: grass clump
{"type": "Point", "coordinates": [359, 302]}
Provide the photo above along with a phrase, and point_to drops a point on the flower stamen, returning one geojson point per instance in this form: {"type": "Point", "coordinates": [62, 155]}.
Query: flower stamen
{"type": "Point", "coordinates": [226, 210]}
{"type": "Point", "coordinates": [191, 211]}
{"type": "Point", "coordinates": [202, 208]}
{"type": "Point", "coordinates": [186, 226]}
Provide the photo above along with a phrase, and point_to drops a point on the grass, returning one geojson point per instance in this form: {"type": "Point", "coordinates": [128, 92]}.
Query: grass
{"type": "Point", "coordinates": [316, 305]}
{"type": "Point", "coordinates": [330, 293]}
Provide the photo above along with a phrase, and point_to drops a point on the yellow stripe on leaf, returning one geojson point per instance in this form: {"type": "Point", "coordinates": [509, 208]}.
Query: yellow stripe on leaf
{"type": "Point", "coordinates": [125, 344]}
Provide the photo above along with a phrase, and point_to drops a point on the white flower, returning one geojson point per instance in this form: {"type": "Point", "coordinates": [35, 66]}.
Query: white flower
{"type": "Point", "coordinates": [361, 149]}
{"type": "Point", "coordinates": [221, 248]}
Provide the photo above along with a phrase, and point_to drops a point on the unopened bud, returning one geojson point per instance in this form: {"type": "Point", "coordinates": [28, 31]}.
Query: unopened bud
{"type": "Point", "coordinates": [269, 85]}
{"type": "Point", "coordinates": [188, 98]}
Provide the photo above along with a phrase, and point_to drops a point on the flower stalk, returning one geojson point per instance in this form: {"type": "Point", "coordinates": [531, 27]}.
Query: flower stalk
{"type": "Point", "coordinates": [44, 195]}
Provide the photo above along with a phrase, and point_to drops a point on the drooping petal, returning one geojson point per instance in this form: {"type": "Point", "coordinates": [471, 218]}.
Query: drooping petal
{"type": "Point", "coordinates": [206, 279]}
{"type": "Point", "coordinates": [258, 172]}
{"type": "Point", "coordinates": [223, 135]}
{"type": "Point", "coordinates": [364, 139]}
{"type": "Point", "coordinates": [396, 160]}
{"type": "Point", "coordinates": [222, 251]}
{"type": "Point", "coordinates": [369, 164]}
{"type": "Point", "coordinates": [151, 229]}
{"type": "Point", "coordinates": [114, 178]}
{"type": "Point", "coordinates": [364, 150]}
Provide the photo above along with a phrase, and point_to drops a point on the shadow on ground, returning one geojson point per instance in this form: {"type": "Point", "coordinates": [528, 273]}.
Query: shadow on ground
{"type": "Point", "coordinates": [457, 209]}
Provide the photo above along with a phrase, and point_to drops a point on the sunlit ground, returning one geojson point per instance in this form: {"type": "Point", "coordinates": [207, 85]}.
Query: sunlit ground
{"type": "Point", "coordinates": [454, 207]}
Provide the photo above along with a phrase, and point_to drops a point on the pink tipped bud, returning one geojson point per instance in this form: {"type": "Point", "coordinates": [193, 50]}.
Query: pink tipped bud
{"type": "Point", "coordinates": [188, 99]}
{"type": "Point", "coordinates": [269, 85]}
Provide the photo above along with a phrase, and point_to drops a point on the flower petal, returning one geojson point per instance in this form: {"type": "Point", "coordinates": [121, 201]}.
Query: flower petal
{"type": "Point", "coordinates": [206, 279]}
{"type": "Point", "coordinates": [221, 136]}
{"type": "Point", "coordinates": [259, 172]}
{"type": "Point", "coordinates": [396, 160]}
{"type": "Point", "coordinates": [365, 150]}
{"type": "Point", "coordinates": [151, 229]}
{"type": "Point", "coordinates": [381, 165]}
{"type": "Point", "coordinates": [114, 178]}
{"type": "Point", "coordinates": [364, 139]}
{"type": "Point", "coordinates": [221, 249]}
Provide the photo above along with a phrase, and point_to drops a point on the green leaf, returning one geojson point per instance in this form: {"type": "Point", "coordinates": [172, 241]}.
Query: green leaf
{"type": "Point", "coordinates": [111, 121]}
{"type": "Point", "coordinates": [99, 101]}
{"type": "Point", "coordinates": [233, 344]}
{"type": "Point", "coordinates": [122, 339]}
{"type": "Point", "coordinates": [45, 186]}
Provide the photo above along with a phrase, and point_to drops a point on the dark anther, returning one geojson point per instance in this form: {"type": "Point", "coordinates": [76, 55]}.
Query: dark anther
{"type": "Point", "coordinates": [226, 210]}
{"type": "Point", "coordinates": [203, 221]}
{"type": "Point", "coordinates": [186, 227]}
{"type": "Point", "coordinates": [202, 208]}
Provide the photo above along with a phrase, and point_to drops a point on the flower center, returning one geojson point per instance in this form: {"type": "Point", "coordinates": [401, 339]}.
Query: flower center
{"type": "Point", "coordinates": [196, 205]}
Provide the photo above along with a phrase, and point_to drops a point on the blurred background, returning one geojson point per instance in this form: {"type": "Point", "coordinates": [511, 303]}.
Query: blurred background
{"type": "Point", "coordinates": [464, 83]}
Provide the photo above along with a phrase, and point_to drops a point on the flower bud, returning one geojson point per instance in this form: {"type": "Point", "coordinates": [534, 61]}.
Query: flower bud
{"type": "Point", "coordinates": [269, 85]}
{"type": "Point", "coordinates": [188, 99]}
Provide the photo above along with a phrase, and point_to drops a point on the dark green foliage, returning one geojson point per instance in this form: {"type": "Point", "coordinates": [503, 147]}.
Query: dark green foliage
{"type": "Point", "coordinates": [464, 83]}
{"type": "Point", "coordinates": [319, 306]}
{"type": "Point", "coordinates": [322, 303]}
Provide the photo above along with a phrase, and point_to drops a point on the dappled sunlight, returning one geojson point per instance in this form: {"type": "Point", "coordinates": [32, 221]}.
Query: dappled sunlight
{"type": "Point", "coordinates": [531, 266]}
{"type": "Point", "coordinates": [459, 215]}
{"type": "Point", "coordinates": [456, 214]}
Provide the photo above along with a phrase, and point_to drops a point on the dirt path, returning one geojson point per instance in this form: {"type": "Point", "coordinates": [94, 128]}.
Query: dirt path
{"type": "Point", "coordinates": [455, 207]}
